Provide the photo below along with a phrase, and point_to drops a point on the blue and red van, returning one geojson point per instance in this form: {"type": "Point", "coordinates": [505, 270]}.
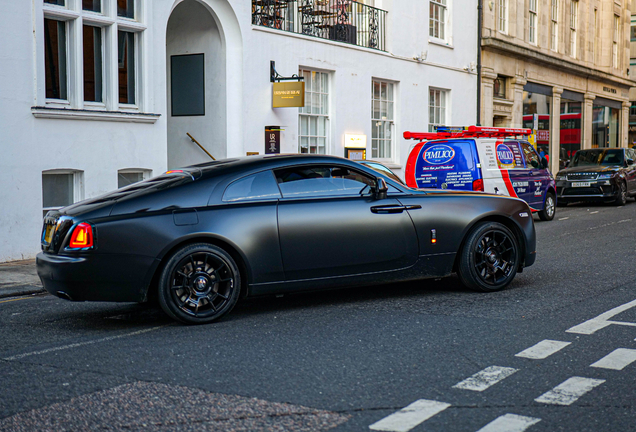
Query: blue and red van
{"type": "Point", "coordinates": [494, 160]}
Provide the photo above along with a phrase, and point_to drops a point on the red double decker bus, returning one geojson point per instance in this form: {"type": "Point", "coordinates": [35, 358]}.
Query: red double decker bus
{"type": "Point", "coordinates": [570, 136]}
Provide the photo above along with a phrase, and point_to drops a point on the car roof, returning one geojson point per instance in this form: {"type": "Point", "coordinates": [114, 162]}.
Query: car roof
{"type": "Point", "coordinates": [262, 162]}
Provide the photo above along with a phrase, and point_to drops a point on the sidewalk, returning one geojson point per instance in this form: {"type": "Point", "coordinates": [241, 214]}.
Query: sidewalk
{"type": "Point", "coordinates": [19, 278]}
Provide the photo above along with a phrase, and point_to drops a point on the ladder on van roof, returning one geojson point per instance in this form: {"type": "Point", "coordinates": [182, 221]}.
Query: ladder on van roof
{"type": "Point", "coordinates": [443, 132]}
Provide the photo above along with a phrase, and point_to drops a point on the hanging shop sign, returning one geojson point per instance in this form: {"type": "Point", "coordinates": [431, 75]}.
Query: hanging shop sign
{"type": "Point", "coordinates": [272, 139]}
{"type": "Point", "coordinates": [288, 94]}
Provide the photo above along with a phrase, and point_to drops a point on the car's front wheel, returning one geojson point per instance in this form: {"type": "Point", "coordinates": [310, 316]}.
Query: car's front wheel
{"type": "Point", "coordinates": [621, 198]}
{"type": "Point", "coordinates": [489, 258]}
{"type": "Point", "coordinates": [547, 214]}
{"type": "Point", "coordinates": [199, 284]}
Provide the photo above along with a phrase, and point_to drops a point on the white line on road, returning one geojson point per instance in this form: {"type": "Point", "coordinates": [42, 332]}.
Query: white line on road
{"type": "Point", "coordinates": [510, 423]}
{"type": "Point", "coordinates": [601, 321]}
{"type": "Point", "coordinates": [617, 359]}
{"type": "Point", "coordinates": [543, 349]}
{"type": "Point", "coordinates": [569, 391]}
{"type": "Point", "coordinates": [79, 344]}
{"type": "Point", "coordinates": [485, 378]}
{"type": "Point", "coordinates": [410, 416]}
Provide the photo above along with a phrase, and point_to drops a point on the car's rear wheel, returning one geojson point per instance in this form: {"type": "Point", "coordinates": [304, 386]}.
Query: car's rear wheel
{"type": "Point", "coordinates": [489, 258]}
{"type": "Point", "coordinates": [621, 198]}
{"type": "Point", "coordinates": [547, 214]}
{"type": "Point", "coordinates": [199, 284]}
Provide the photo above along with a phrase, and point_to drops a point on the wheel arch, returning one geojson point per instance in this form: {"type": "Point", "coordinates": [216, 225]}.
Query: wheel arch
{"type": "Point", "coordinates": [508, 223]}
{"type": "Point", "coordinates": [226, 245]}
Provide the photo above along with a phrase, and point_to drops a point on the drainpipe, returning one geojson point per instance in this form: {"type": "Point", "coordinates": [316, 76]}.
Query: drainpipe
{"type": "Point", "coordinates": [480, 22]}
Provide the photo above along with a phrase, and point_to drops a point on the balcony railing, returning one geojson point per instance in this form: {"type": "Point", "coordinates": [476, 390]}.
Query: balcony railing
{"type": "Point", "coordinates": [338, 20]}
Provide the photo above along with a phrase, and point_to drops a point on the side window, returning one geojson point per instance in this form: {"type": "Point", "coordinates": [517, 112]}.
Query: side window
{"type": "Point", "coordinates": [322, 181]}
{"type": "Point", "coordinates": [532, 158]}
{"type": "Point", "coordinates": [255, 187]}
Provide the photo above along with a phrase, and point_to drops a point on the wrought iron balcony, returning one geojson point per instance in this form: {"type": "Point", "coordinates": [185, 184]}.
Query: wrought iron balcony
{"type": "Point", "coordinates": [346, 21]}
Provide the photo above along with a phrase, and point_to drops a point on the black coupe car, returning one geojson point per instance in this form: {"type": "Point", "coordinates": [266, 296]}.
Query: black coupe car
{"type": "Point", "coordinates": [201, 237]}
{"type": "Point", "coordinates": [604, 175]}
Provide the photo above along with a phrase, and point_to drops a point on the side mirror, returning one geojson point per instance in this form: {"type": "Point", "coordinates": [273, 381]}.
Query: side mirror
{"type": "Point", "coordinates": [630, 161]}
{"type": "Point", "coordinates": [380, 189]}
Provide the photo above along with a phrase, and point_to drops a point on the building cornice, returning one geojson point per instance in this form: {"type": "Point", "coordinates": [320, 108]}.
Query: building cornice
{"type": "Point", "coordinates": [524, 53]}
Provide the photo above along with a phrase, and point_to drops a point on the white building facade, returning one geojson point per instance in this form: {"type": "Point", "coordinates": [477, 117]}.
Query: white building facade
{"type": "Point", "coordinates": [97, 94]}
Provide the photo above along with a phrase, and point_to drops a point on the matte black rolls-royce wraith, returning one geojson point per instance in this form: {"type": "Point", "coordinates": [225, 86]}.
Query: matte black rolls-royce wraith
{"type": "Point", "coordinates": [201, 237]}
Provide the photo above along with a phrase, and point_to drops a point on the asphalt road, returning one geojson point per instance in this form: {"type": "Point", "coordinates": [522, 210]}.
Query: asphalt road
{"type": "Point", "coordinates": [351, 359]}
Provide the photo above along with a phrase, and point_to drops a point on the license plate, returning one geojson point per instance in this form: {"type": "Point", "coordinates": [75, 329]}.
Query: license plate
{"type": "Point", "coordinates": [580, 184]}
{"type": "Point", "coordinates": [48, 234]}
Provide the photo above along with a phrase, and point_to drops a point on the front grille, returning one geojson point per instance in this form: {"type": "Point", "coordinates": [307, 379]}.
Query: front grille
{"type": "Point", "coordinates": [583, 191]}
{"type": "Point", "coordinates": [582, 176]}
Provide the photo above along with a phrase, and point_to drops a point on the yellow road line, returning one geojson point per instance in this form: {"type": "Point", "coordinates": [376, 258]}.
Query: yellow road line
{"type": "Point", "coordinates": [15, 299]}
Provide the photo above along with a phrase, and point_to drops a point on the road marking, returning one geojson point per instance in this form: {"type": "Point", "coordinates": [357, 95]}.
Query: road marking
{"type": "Point", "coordinates": [76, 345]}
{"type": "Point", "coordinates": [510, 423]}
{"type": "Point", "coordinates": [543, 349]}
{"type": "Point", "coordinates": [410, 416]}
{"type": "Point", "coordinates": [564, 218]}
{"type": "Point", "coordinates": [617, 359]}
{"type": "Point", "coordinates": [569, 391]}
{"type": "Point", "coordinates": [485, 378]}
{"type": "Point", "coordinates": [601, 321]}
{"type": "Point", "coordinates": [15, 299]}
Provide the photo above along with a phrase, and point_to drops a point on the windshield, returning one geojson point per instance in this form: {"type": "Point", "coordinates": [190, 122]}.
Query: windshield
{"type": "Point", "coordinates": [597, 157]}
{"type": "Point", "coordinates": [383, 170]}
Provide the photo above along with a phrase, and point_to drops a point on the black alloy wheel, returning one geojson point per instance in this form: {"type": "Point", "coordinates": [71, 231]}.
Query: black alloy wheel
{"type": "Point", "coordinates": [489, 258]}
{"type": "Point", "coordinates": [549, 209]}
{"type": "Point", "coordinates": [621, 198]}
{"type": "Point", "coordinates": [199, 284]}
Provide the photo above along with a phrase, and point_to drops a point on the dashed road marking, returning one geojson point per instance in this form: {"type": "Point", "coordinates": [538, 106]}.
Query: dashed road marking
{"type": "Point", "coordinates": [601, 321]}
{"type": "Point", "coordinates": [510, 423]}
{"type": "Point", "coordinates": [485, 378]}
{"type": "Point", "coordinates": [410, 416]}
{"type": "Point", "coordinates": [617, 359]}
{"type": "Point", "coordinates": [569, 391]}
{"type": "Point", "coordinates": [76, 345]}
{"type": "Point", "coordinates": [543, 349]}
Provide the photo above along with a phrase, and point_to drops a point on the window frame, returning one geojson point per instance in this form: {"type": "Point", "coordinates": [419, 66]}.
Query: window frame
{"type": "Point", "coordinates": [554, 25]}
{"type": "Point", "coordinates": [442, 23]}
{"type": "Point", "coordinates": [502, 16]}
{"type": "Point", "coordinates": [325, 115]}
{"type": "Point", "coordinates": [389, 120]}
{"type": "Point", "coordinates": [574, 19]}
{"type": "Point", "coordinates": [532, 23]}
{"type": "Point", "coordinates": [78, 186]}
{"type": "Point", "coordinates": [444, 97]}
{"type": "Point", "coordinates": [75, 18]}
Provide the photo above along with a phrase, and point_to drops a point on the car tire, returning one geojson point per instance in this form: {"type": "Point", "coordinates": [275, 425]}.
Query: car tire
{"type": "Point", "coordinates": [489, 258]}
{"type": "Point", "coordinates": [621, 198]}
{"type": "Point", "coordinates": [549, 209]}
{"type": "Point", "coordinates": [199, 284]}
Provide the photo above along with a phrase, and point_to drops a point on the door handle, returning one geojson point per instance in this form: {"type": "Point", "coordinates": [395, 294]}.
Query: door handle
{"type": "Point", "coordinates": [387, 209]}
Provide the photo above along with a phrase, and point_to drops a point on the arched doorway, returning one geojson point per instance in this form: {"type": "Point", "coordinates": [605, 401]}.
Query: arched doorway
{"type": "Point", "coordinates": [196, 56]}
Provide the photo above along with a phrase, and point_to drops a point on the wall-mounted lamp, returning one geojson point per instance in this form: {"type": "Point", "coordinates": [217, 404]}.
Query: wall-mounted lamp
{"type": "Point", "coordinates": [421, 57]}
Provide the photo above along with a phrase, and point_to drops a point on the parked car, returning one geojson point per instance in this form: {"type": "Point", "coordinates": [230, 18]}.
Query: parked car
{"type": "Point", "coordinates": [603, 175]}
{"type": "Point", "coordinates": [482, 159]}
{"type": "Point", "coordinates": [201, 237]}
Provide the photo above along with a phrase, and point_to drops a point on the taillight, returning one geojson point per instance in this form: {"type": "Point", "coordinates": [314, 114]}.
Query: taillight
{"type": "Point", "coordinates": [478, 185]}
{"type": "Point", "coordinates": [82, 237]}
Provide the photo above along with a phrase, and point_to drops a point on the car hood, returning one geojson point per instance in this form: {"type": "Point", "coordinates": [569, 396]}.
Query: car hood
{"type": "Point", "coordinates": [591, 169]}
